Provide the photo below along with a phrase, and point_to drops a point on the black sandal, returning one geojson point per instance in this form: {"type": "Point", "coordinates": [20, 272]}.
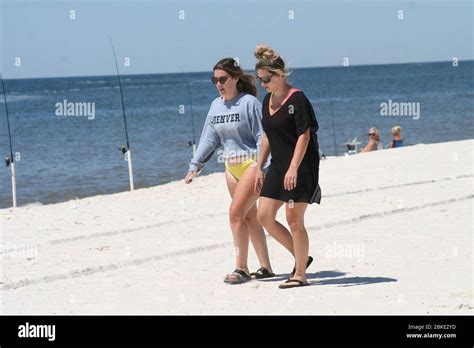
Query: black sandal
{"type": "Point", "coordinates": [310, 261]}
{"type": "Point", "coordinates": [239, 277]}
{"type": "Point", "coordinates": [292, 283]}
{"type": "Point", "coordinates": [262, 273]}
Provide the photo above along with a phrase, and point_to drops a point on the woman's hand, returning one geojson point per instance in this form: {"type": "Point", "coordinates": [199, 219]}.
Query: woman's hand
{"type": "Point", "coordinates": [290, 179]}
{"type": "Point", "coordinates": [189, 178]}
{"type": "Point", "coordinates": [259, 178]}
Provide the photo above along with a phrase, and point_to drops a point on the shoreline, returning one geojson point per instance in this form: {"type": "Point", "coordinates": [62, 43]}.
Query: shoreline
{"type": "Point", "coordinates": [40, 204]}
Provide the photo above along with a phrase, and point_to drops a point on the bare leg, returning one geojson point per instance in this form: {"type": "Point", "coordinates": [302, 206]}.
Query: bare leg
{"type": "Point", "coordinates": [232, 185]}
{"type": "Point", "coordinates": [295, 218]}
{"type": "Point", "coordinates": [266, 215]}
{"type": "Point", "coordinates": [242, 216]}
{"type": "Point", "coordinates": [258, 238]}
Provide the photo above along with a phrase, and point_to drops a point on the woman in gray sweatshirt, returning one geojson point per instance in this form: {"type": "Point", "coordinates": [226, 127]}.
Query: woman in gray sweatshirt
{"type": "Point", "coordinates": [234, 122]}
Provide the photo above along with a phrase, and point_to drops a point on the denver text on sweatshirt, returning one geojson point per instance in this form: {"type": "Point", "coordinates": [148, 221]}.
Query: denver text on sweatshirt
{"type": "Point", "coordinates": [235, 125]}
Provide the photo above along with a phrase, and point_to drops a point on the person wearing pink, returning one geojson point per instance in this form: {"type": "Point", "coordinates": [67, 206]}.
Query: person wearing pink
{"type": "Point", "coordinates": [289, 125]}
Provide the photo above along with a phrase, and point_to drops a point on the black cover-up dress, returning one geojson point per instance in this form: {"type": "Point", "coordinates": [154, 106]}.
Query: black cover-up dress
{"type": "Point", "coordinates": [291, 120]}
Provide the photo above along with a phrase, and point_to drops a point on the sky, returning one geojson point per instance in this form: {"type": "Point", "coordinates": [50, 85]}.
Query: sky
{"type": "Point", "coordinates": [45, 39]}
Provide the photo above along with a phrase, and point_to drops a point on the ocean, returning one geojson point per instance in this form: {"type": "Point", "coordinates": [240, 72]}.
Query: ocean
{"type": "Point", "coordinates": [61, 157]}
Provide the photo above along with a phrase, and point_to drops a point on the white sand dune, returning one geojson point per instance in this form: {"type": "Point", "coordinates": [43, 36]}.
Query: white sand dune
{"type": "Point", "coordinates": [393, 235]}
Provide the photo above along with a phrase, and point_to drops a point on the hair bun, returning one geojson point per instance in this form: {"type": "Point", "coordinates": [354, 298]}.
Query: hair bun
{"type": "Point", "coordinates": [265, 53]}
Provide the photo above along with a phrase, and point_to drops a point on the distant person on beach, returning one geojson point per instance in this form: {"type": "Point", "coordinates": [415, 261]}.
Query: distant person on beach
{"type": "Point", "coordinates": [290, 126]}
{"type": "Point", "coordinates": [234, 122]}
{"type": "Point", "coordinates": [374, 141]}
{"type": "Point", "coordinates": [397, 137]}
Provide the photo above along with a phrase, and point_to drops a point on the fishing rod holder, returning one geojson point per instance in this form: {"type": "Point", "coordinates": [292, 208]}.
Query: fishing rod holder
{"type": "Point", "coordinates": [352, 146]}
{"type": "Point", "coordinates": [193, 145]}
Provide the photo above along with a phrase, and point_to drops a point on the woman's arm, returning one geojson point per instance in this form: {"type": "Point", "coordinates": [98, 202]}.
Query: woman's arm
{"type": "Point", "coordinates": [208, 143]}
{"type": "Point", "coordinates": [371, 146]}
{"type": "Point", "coordinates": [300, 151]}
{"type": "Point", "coordinates": [262, 159]}
{"type": "Point", "coordinates": [264, 151]}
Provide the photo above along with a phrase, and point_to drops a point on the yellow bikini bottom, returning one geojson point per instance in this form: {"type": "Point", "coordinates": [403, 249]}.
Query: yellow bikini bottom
{"type": "Point", "coordinates": [237, 170]}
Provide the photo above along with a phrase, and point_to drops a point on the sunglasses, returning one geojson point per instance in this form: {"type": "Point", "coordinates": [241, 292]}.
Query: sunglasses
{"type": "Point", "coordinates": [371, 133]}
{"type": "Point", "coordinates": [221, 79]}
{"type": "Point", "coordinates": [265, 79]}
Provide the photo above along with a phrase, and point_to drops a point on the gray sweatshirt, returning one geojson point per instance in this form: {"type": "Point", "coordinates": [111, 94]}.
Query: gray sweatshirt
{"type": "Point", "coordinates": [236, 125]}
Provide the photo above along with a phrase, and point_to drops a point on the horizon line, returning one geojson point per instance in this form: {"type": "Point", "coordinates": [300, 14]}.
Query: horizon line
{"type": "Point", "coordinates": [207, 71]}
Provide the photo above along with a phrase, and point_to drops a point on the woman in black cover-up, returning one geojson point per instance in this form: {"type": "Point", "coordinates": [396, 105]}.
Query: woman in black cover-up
{"type": "Point", "coordinates": [290, 126]}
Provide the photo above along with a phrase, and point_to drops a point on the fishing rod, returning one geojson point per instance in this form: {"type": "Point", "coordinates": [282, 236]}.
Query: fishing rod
{"type": "Point", "coordinates": [332, 118]}
{"type": "Point", "coordinates": [126, 151]}
{"type": "Point", "coordinates": [193, 143]}
{"type": "Point", "coordinates": [10, 161]}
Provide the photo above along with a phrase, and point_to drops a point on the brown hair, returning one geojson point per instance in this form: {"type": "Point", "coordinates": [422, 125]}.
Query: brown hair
{"type": "Point", "coordinates": [270, 60]}
{"type": "Point", "coordinates": [246, 83]}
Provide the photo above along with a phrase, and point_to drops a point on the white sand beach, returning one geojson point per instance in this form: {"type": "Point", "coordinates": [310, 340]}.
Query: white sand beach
{"type": "Point", "coordinates": [393, 235]}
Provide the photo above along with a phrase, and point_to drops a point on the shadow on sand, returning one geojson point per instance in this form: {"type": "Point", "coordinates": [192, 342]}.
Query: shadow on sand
{"type": "Point", "coordinates": [332, 278]}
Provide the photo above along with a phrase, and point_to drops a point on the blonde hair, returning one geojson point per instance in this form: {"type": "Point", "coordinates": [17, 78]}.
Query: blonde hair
{"type": "Point", "coordinates": [397, 130]}
{"type": "Point", "coordinates": [269, 59]}
{"type": "Point", "coordinates": [376, 131]}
